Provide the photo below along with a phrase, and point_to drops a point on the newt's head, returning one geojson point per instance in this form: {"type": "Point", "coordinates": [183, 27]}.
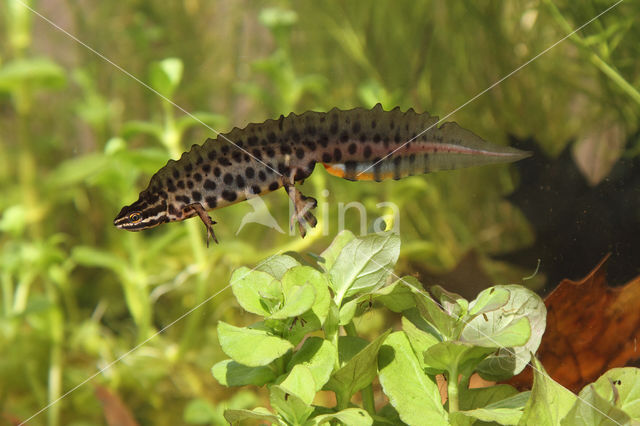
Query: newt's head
{"type": "Point", "coordinates": [150, 210]}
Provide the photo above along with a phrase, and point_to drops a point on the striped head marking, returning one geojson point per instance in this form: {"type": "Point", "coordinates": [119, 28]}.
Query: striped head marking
{"type": "Point", "coordinates": [150, 210]}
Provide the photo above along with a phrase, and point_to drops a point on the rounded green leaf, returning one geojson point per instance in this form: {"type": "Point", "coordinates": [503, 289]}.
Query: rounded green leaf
{"type": "Point", "coordinates": [319, 356]}
{"type": "Point", "coordinates": [411, 392]}
{"type": "Point", "coordinates": [277, 265]}
{"type": "Point", "coordinates": [165, 75]}
{"type": "Point", "coordinates": [300, 382]}
{"type": "Point", "coordinates": [297, 301]}
{"type": "Point", "coordinates": [250, 346]}
{"type": "Point", "coordinates": [621, 386]}
{"type": "Point", "coordinates": [333, 251]}
{"type": "Point", "coordinates": [247, 286]}
{"type": "Point", "coordinates": [364, 264]}
{"type": "Point", "coordinates": [39, 73]}
{"type": "Point", "coordinates": [230, 373]}
{"type": "Point", "coordinates": [300, 275]}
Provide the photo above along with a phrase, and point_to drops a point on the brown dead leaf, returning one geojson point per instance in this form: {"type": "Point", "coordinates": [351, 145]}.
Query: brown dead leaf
{"type": "Point", "coordinates": [116, 413]}
{"type": "Point", "coordinates": [591, 328]}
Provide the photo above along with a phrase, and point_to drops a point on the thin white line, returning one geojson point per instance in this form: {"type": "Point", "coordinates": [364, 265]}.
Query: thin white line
{"type": "Point", "coordinates": [490, 338]}
{"type": "Point", "coordinates": [495, 84]}
{"type": "Point", "coordinates": [121, 357]}
{"type": "Point", "coordinates": [103, 57]}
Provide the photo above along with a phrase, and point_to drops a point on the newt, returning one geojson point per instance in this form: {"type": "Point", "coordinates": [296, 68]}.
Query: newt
{"type": "Point", "coordinates": [356, 144]}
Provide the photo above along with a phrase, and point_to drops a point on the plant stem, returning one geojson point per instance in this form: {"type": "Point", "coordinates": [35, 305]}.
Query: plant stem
{"type": "Point", "coordinates": [452, 389]}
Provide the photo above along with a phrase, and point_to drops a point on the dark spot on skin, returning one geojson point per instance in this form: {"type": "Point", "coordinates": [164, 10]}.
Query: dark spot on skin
{"type": "Point", "coordinates": [326, 157]}
{"type": "Point", "coordinates": [224, 149]}
{"type": "Point", "coordinates": [237, 156]}
{"type": "Point", "coordinates": [355, 127]}
{"type": "Point", "coordinates": [262, 176]}
{"type": "Point", "coordinates": [397, 138]}
{"type": "Point", "coordinates": [280, 122]}
{"type": "Point", "coordinates": [199, 161]}
{"type": "Point", "coordinates": [229, 195]}
{"type": "Point", "coordinates": [176, 173]}
{"type": "Point", "coordinates": [240, 181]}
{"type": "Point", "coordinates": [310, 144]}
{"type": "Point", "coordinates": [239, 143]}
{"type": "Point", "coordinates": [255, 189]}
{"type": "Point", "coordinates": [172, 210]}
{"type": "Point", "coordinates": [209, 185]}
{"type": "Point", "coordinates": [311, 165]}
{"type": "Point", "coordinates": [227, 179]}
{"type": "Point", "coordinates": [190, 184]}
{"type": "Point", "coordinates": [170, 185]}
{"type": "Point", "coordinates": [217, 171]}
{"type": "Point", "coordinates": [323, 140]}
{"type": "Point", "coordinates": [211, 201]}
{"type": "Point", "coordinates": [352, 148]}
{"type": "Point", "coordinates": [180, 184]}
{"type": "Point", "coordinates": [412, 158]}
{"type": "Point", "coordinates": [196, 196]}
{"type": "Point", "coordinates": [188, 168]}
{"type": "Point", "coordinates": [337, 154]}
{"type": "Point", "coordinates": [367, 151]}
{"type": "Point", "coordinates": [273, 186]}
{"type": "Point", "coordinates": [377, 138]}
{"type": "Point", "coordinates": [322, 119]}
{"type": "Point", "coordinates": [270, 152]}
{"type": "Point", "coordinates": [249, 173]}
{"type": "Point", "coordinates": [246, 157]}
{"type": "Point", "coordinates": [283, 169]}
{"type": "Point", "coordinates": [311, 130]}
{"type": "Point", "coordinates": [197, 177]}
{"type": "Point", "coordinates": [257, 153]}
{"type": "Point", "coordinates": [206, 169]}
{"type": "Point", "coordinates": [300, 153]}
{"type": "Point", "coordinates": [344, 136]}
{"type": "Point", "coordinates": [224, 161]}
{"type": "Point", "coordinates": [253, 141]}
{"type": "Point", "coordinates": [211, 155]}
{"type": "Point", "coordinates": [334, 128]}
{"type": "Point", "coordinates": [285, 149]}
{"type": "Point", "coordinates": [392, 125]}
{"type": "Point", "coordinates": [363, 137]}
{"type": "Point", "coordinates": [272, 137]}
{"type": "Point", "coordinates": [373, 124]}
{"type": "Point", "coordinates": [295, 136]}
{"type": "Point", "coordinates": [184, 199]}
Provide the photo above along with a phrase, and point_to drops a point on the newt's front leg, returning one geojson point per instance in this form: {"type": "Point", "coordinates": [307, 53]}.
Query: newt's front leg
{"type": "Point", "coordinates": [302, 205]}
{"type": "Point", "coordinates": [206, 219]}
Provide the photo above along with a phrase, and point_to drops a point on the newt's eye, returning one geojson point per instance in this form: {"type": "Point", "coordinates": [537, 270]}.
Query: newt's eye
{"type": "Point", "coordinates": [135, 217]}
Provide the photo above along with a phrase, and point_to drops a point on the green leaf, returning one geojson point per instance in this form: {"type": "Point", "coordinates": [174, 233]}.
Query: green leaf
{"type": "Point", "coordinates": [455, 356]}
{"type": "Point", "coordinates": [349, 416]}
{"type": "Point", "coordinates": [78, 169]}
{"type": "Point", "coordinates": [488, 300]}
{"type": "Point", "coordinates": [448, 326]}
{"type": "Point", "coordinates": [592, 409]}
{"type": "Point", "coordinates": [471, 399]}
{"type": "Point", "coordinates": [420, 340]}
{"type": "Point", "coordinates": [200, 411]}
{"type": "Point", "coordinates": [358, 372]}
{"type": "Point", "coordinates": [523, 303]}
{"type": "Point", "coordinates": [165, 76]}
{"type": "Point", "coordinates": [364, 264]}
{"type": "Point", "coordinates": [277, 265]}
{"type": "Point", "coordinates": [230, 373]}
{"type": "Point", "coordinates": [260, 413]}
{"type": "Point", "coordinates": [247, 285]}
{"type": "Point", "coordinates": [397, 297]}
{"type": "Point", "coordinates": [300, 382]}
{"type": "Point", "coordinates": [411, 392]}
{"type": "Point", "coordinates": [250, 346]}
{"type": "Point", "coordinates": [349, 346]}
{"type": "Point", "coordinates": [452, 303]}
{"type": "Point", "coordinates": [299, 275]}
{"type": "Point", "coordinates": [621, 386]}
{"type": "Point", "coordinates": [333, 251]}
{"type": "Point", "coordinates": [348, 311]}
{"type": "Point", "coordinates": [297, 301]}
{"type": "Point", "coordinates": [503, 416]}
{"type": "Point", "coordinates": [39, 73]}
{"type": "Point", "coordinates": [549, 402]}
{"type": "Point", "coordinates": [319, 356]}
{"type": "Point", "coordinates": [292, 409]}
{"type": "Point", "coordinates": [508, 332]}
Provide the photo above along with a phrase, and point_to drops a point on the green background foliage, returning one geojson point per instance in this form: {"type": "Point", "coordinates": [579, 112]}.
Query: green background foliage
{"type": "Point", "coordinates": [79, 139]}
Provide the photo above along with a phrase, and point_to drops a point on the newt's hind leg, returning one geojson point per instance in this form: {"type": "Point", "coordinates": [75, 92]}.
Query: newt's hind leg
{"type": "Point", "coordinates": [206, 219]}
{"type": "Point", "coordinates": [302, 205]}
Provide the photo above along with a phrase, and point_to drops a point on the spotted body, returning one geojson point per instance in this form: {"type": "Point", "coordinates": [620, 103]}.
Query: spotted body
{"type": "Point", "coordinates": [357, 144]}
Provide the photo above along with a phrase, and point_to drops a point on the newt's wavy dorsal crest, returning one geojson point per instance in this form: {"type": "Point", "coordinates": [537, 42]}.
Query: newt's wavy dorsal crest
{"type": "Point", "coordinates": [356, 144]}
